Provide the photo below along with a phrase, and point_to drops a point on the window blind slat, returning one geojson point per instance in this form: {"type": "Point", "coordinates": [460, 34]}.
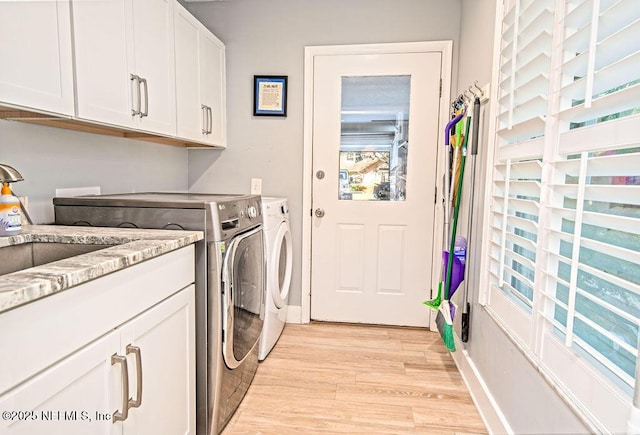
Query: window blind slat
{"type": "Point", "coordinates": [618, 46]}
{"type": "Point", "coordinates": [524, 205]}
{"type": "Point", "coordinates": [525, 130]}
{"type": "Point", "coordinates": [605, 79]}
{"type": "Point", "coordinates": [612, 250]}
{"type": "Point", "coordinates": [526, 109]}
{"type": "Point", "coordinates": [608, 307]}
{"type": "Point", "coordinates": [604, 361]}
{"type": "Point", "coordinates": [579, 16]}
{"type": "Point", "coordinates": [605, 333]}
{"type": "Point", "coordinates": [538, 64]}
{"type": "Point", "coordinates": [613, 194]}
{"type": "Point", "coordinates": [516, 293]}
{"type": "Point", "coordinates": [531, 14]}
{"type": "Point", "coordinates": [578, 40]}
{"type": "Point", "coordinates": [522, 224]}
{"type": "Point", "coordinates": [621, 164]}
{"type": "Point", "coordinates": [619, 133]}
{"type": "Point", "coordinates": [618, 223]}
{"type": "Point", "coordinates": [531, 169]}
{"type": "Point", "coordinates": [568, 167]}
{"type": "Point", "coordinates": [611, 278]}
{"type": "Point", "coordinates": [516, 240]}
{"type": "Point", "coordinates": [618, 16]}
{"type": "Point", "coordinates": [513, 256]}
{"type": "Point", "coordinates": [527, 188]}
{"type": "Point", "coordinates": [625, 99]}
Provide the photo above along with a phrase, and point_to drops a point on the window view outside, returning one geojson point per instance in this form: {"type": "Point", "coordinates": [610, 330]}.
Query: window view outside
{"type": "Point", "coordinates": [374, 138]}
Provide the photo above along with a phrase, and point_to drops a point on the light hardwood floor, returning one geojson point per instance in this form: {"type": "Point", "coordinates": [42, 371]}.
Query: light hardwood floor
{"type": "Point", "coordinates": [340, 378]}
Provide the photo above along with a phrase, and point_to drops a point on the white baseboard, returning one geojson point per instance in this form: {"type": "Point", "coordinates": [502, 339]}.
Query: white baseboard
{"type": "Point", "coordinates": [294, 314]}
{"type": "Point", "coordinates": [490, 413]}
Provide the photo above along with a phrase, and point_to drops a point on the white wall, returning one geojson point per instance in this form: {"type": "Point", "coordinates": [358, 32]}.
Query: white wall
{"type": "Point", "coordinates": [269, 38]}
{"type": "Point", "coordinates": [526, 401]}
{"type": "Point", "coordinates": [51, 158]}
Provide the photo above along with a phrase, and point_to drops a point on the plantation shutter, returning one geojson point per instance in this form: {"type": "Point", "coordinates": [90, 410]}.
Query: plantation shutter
{"type": "Point", "coordinates": [525, 61]}
{"type": "Point", "coordinates": [593, 270]}
{"type": "Point", "coordinates": [564, 251]}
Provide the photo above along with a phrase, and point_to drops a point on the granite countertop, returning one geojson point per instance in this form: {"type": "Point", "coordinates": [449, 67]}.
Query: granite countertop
{"type": "Point", "coordinates": [132, 246]}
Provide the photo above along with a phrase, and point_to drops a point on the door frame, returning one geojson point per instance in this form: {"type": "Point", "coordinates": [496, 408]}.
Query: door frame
{"type": "Point", "coordinates": [446, 49]}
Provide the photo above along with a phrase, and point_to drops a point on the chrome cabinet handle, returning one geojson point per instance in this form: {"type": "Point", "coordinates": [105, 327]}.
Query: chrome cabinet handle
{"type": "Point", "coordinates": [204, 111]}
{"type": "Point", "coordinates": [138, 400]}
{"type": "Point", "coordinates": [210, 119]}
{"type": "Point", "coordinates": [135, 88]}
{"type": "Point", "coordinates": [122, 415]}
{"type": "Point", "coordinates": [146, 99]}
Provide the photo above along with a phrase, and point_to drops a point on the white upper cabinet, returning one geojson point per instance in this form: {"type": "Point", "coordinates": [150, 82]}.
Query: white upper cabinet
{"type": "Point", "coordinates": [124, 52]}
{"type": "Point", "coordinates": [213, 85]}
{"type": "Point", "coordinates": [200, 81]}
{"type": "Point", "coordinates": [35, 53]}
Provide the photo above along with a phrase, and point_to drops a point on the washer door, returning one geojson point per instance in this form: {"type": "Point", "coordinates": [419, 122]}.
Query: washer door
{"type": "Point", "coordinates": [243, 287]}
{"type": "Point", "coordinates": [281, 266]}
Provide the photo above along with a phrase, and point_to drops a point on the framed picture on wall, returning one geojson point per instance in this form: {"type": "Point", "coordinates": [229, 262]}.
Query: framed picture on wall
{"type": "Point", "coordinates": [269, 95]}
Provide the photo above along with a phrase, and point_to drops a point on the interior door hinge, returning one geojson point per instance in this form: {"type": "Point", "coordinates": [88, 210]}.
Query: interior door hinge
{"type": "Point", "coordinates": [435, 196]}
{"type": "Point", "coordinates": [440, 88]}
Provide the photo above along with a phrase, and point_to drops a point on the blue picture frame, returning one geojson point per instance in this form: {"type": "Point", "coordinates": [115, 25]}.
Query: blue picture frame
{"type": "Point", "coordinates": [269, 95]}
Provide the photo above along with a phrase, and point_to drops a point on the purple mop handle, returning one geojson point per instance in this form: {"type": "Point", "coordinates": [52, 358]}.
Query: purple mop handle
{"type": "Point", "coordinates": [450, 125]}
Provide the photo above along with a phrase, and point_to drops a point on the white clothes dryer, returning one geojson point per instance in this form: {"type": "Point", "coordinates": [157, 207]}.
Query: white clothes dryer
{"type": "Point", "coordinates": [279, 260]}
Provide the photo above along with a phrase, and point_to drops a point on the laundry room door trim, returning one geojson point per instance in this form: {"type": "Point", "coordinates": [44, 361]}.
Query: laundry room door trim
{"type": "Point", "coordinates": [446, 50]}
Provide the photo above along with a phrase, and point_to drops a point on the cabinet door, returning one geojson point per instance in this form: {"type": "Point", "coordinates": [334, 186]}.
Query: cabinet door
{"type": "Point", "coordinates": [191, 117]}
{"type": "Point", "coordinates": [165, 337]}
{"type": "Point", "coordinates": [153, 42]}
{"type": "Point", "coordinates": [113, 40]}
{"type": "Point", "coordinates": [213, 84]}
{"type": "Point", "coordinates": [35, 48]}
{"type": "Point", "coordinates": [75, 396]}
{"type": "Point", "coordinates": [104, 61]}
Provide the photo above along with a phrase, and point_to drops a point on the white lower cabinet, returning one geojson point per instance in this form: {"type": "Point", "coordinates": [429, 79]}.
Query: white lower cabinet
{"type": "Point", "coordinates": [135, 378]}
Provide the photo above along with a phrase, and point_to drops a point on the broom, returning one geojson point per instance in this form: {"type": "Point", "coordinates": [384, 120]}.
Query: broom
{"type": "Point", "coordinates": [446, 312]}
{"type": "Point", "coordinates": [435, 303]}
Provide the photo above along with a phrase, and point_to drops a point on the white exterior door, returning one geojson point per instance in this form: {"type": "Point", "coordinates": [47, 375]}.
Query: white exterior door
{"type": "Point", "coordinates": [376, 132]}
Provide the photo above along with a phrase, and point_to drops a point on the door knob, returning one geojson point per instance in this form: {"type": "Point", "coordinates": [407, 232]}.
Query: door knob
{"type": "Point", "coordinates": [319, 212]}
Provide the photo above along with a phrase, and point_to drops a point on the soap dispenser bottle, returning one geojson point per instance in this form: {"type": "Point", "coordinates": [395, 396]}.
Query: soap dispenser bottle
{"type": "Point", "coordinates": [10, 222]}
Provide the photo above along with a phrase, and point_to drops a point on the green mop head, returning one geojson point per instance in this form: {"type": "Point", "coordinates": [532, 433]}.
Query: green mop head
{"type": "Point", "coordinates": [444, 323]}
{"type": "Point", "coordinates": [435, 303]}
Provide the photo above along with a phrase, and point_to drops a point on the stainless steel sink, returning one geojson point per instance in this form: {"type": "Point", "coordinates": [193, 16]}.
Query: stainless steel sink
{"type": "Point", "coordinates": [24, 256]}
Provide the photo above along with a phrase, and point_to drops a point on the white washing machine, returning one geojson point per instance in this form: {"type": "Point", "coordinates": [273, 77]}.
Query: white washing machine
{"type": "Point", "coordinates": [279, 259]}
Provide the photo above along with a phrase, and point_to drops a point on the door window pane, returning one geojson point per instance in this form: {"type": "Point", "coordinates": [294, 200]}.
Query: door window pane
{"type": "Point", "coordinates": [374, 138]}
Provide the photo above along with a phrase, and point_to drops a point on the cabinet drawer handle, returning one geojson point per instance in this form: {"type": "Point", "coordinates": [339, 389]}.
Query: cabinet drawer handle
{"type": "Point", "coordinates": [135, 88]}
{"type": "Point", "coordinates": [210, 119]}
{"type": "Point", "coordinates": [117, 415]}
{"type": "Point", "coordinates": [146, 99]}
{"type": "Point", "coordinates": [205, 118]}
{"type": "Point", "coordinates": [138, 400]}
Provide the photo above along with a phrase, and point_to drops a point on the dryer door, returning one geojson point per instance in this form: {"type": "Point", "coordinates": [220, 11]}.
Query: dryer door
{"type": "Point", "coordinates": [243, 286]}
{"type": "Point", "coordinates": [281, 266]}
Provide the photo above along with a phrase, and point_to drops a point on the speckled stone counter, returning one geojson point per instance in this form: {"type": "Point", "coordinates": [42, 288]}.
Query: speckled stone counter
{"type": "Point", "coordinates": [132, 246]}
